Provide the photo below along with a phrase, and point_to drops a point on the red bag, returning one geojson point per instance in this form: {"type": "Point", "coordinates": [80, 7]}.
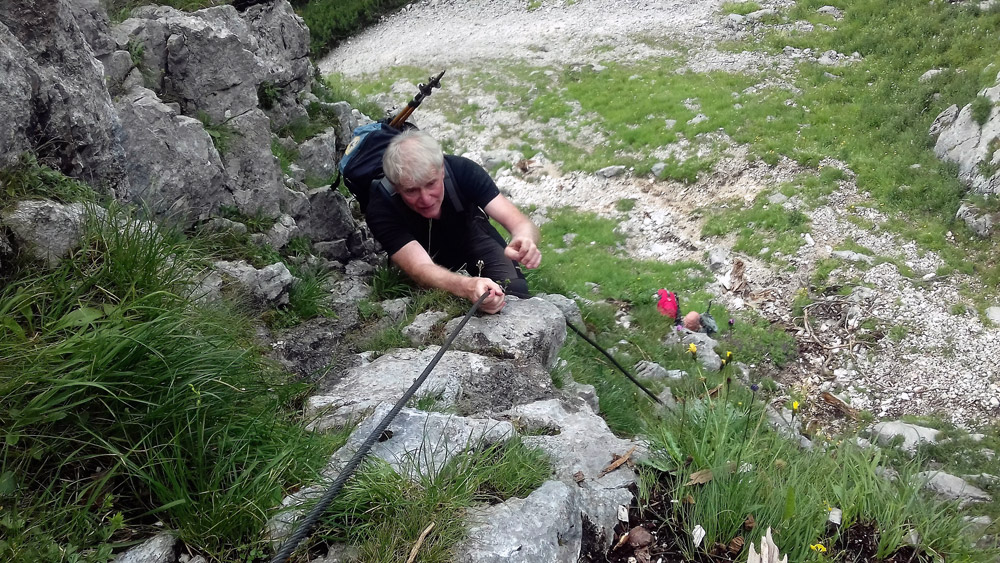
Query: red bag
{"type": "Point", "coordinates": [668, 305]}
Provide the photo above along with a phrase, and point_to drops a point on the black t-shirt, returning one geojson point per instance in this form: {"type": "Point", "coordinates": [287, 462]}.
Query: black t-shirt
{"type": "Point", "coordinates": [394, 224]}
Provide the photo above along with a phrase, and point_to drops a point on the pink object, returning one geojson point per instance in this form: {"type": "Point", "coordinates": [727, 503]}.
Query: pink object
{"type": "Point", "coordinates": [667, 303]}
{"type": "Point", "coordinates": [692, 321]}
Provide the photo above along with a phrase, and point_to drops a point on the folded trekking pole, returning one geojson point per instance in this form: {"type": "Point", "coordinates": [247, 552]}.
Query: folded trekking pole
{"type": "Point", "coordinates": [424, 91]}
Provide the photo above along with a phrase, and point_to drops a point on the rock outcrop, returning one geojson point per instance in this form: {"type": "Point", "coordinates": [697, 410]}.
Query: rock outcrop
{"type": "Point", "coordinates": [174, 111]}
{"type": "Point", "coordinates": [973, 145]}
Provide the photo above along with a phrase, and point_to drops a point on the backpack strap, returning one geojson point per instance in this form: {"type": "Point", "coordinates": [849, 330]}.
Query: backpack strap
{"type": "Point", "coordinates": [449, 188]}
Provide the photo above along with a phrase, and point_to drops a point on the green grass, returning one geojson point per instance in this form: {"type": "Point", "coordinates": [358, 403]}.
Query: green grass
{"type": "Point", "coordinates": [30, 179]}
{"type": "Point", "coordinates": [762, 229]}
{"type": "Point", "coordinates": [332, 21]}
{"type": "Point", "coordinates": [753, 470]}
{"type": "Point", "coordinates": [383, 513]}
{"type": "Point", "coordinates": [123, 403]}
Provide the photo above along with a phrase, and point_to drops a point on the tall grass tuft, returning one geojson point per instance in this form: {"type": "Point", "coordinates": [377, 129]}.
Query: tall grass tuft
{"type": "Point", "coordinates": [383, 512]}
{"type": "Point", "coordinates": [123, 403]}
{"type": "Point", "coordinates": [720, 459]}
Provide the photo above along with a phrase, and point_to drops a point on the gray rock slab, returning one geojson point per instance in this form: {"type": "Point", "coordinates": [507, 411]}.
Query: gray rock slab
{"type": "Point", "coordinates": [545, 527]}
{"type": "Point", "coordinates": [72, 120]}
{"type": "Point", "coordinates": [269, 284]}
{"type": "Point", "coordinates": [526, 330]}
{"type": "Point", "coordinates": [568, 307]}
{"type": "Point", "coordinates": [254, 172]}
{"type": "Point", "coordinates": [584, 445]}
{"type": "Point", "coordinates": [16, 91]}
{"type": "Point", "coordinates": [161, 548]}
{"type": "Point", "coordinates": [279, 39]}
{"type": "Point", "coordinates": [705, 355]}
{"type": "Point", "coordinates": [172, 164]}
{"type": "Point", "coordinates": [395, 309]}
{"type": "Point", "coordinates": [318, 156]}
{"type": "Point", "coordinates": [951, 487]}
{"type": "Point", "coordinates": [650, 370]}
{"type": "Point", "coordinates": [419, 443]}
{"type": "Point", "coordinates": [466, 382]}
{"type": "Point", "coordinates": [419, 331]}
{"type": "Point", "coordinates": [913, 435]}
{"type": "Point", "coordinates": [960, 139]}
{"type": "Point", "coordinates": [993, 314]}
{"type": "Point", "coordinates": [328, 217]}
{"type": "Point", "coordinates": [47, 230]}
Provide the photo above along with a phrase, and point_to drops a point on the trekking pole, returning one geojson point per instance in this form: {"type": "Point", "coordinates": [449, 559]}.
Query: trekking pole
{"type": "Point", "coordinates": [308, 524]}
{"type": "Point", "coordinates": [424, 91]}
{"type": "Point", "coordinates": [614, 361]}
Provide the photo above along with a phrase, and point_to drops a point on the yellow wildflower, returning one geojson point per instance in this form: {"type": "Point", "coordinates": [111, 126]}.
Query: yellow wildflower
{"type": "Point", "coordinates": [795, 406]}
{"type": "Point", "coordinates": [818, 547]}
{"type": "Point", "coordinates": [693, 348]}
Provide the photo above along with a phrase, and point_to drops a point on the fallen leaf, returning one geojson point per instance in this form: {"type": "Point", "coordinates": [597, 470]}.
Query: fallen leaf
{"type": "Point", "coordinates": [642, 556]}
{"type": "Point", "coordinates": [689, 499]}
{"type": "Point", "coordinates": [579, 477]}
{"type": "Point", "coordinates": [700, 477]}
{"type": "Point", "coordinates": [735, 545]}
{"type": "Point", "coordinates": [715, 390]}
{"type": "Point", "coordinates": [619, 460]}
{"type": "Point", "coordinates": [639, 537]}
{"type": "Point", "coordinates": [749, 523]}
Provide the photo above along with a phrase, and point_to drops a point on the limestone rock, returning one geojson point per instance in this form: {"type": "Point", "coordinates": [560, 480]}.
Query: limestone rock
{"type": "Point", "coordinates": [328, 217]}
{"type": "Point", "coordinates": [161, 548]}
{"type": "Point", "coordinates": [960, 139]}
{"type": "Point", "coordinates": [71, 108]}
{"type": "Point", "coordinates": [526, 329]}
{"type": "Point", "coordinates": [419, 331]}
{"type": "Point", "coordinates": [172, 163]}
{"type": "Point", "coordinates": [913, 435]}
{"type": "Point", "coordinates": [269, 284]}
{"type": "Point", "coordinates": [17, 89]}
{"type": "Point", "coordinates": [979, 222]}
{"type": "Point", "coordinates": [583, 444]}
{"type": "Point", "coordinates": [253, 171]}
{"type": "Point", "coordinates": [469, 383]}
{"type": "Point", "coordinates": [47, 230]}
{"type": "Point", "coordinates": [951, 487]}
{"type": "Point", "coordinates": [417, 443]}
{"type": "Point", "coordinates": [545, 527]}
{"type": "Point", "coordinates": [568, 307]}
{"type": "Point", "coordinates": [318, 156]}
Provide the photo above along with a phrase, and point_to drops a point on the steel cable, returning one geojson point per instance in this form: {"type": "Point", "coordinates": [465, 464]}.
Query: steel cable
{"type": "Point", "coordinates": [308, 523]}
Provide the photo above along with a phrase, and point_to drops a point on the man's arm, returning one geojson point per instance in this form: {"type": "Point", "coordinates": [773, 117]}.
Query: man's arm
{"type": "Point", "coordinates": [524, 234]}
{"type": "Point", "coordinates": [415, 261]}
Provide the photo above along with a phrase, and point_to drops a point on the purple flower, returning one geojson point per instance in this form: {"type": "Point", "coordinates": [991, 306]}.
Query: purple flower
{"type": "Point", "coordinates": [754, 387]}
{"type": "Point", "coordinates": [731, 323]}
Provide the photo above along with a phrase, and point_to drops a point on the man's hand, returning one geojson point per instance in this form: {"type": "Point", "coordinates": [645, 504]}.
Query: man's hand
{"type": "Point", "coordinates": [523, 250]}
{"type": "Point", "coordinates": [496, 299]}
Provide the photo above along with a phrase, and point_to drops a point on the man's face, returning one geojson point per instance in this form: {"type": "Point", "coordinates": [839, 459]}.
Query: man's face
{"type": "Point", "coordinates": [424, 197]}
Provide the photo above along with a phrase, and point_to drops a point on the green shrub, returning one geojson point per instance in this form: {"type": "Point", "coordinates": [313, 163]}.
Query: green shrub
{"type": "Point", "coordinates": [331, 21]}
{"type": "Point", "coordinates": [29, 178]}
{"type": "Point", "coordinates": [981, 109]}
{"type": "Point", "coordinates": [121, 399]}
